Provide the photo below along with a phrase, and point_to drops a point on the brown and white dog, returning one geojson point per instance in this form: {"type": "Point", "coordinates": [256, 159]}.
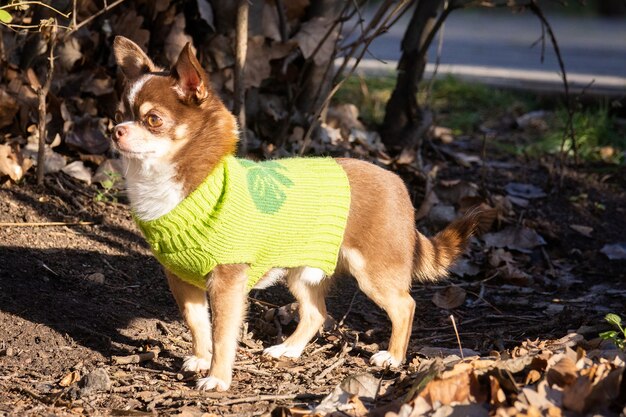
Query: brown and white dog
{"type": "Point", "coordinates": [172, 130]}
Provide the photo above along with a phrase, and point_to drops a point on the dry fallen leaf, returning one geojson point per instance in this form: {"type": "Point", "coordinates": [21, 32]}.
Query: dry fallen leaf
{"type": "Point", "coordinates": [206, 12]}
{"type": "Point", "coordinates": [70, 379]}
{"type": "Point", "coordinates": [521, 239]}
{"type": "Point", "coordinates": [453, 191]}
{"type": "Point", "coordinates": [575, 395]}
{"type": "Point", "coordinates": [444, 134]}
{"type": "Point", "coordinates": [497, 397]}
{"type": "Point", "coordinates": [86, 136]}
{"type": "Point", "coordinates": [514, 275]}
{"type": "Point", "coordinates": [583, 230]}
{"type": "Point", "coordinates": [129, 24]}
{"type": "Point", "coordinates": [12, 163]}
{"type": "Point", "coordinates": [270, 22]}
{"type": "Point", "coordinates": [344, 117]}
{"type": "Point", "coordinates": [177, 39]}
{"type": "Point", "coordinates": [78, 170]}
{"type": "Point", "coordinates": [449, 298]}
{"type": "Point", "coordinates": [562, 373]}
{"type": "Point", "coordinates": [614, 251]}
{"type": "Point", "coordinates": [527, 191]}
{"type": "Point", "coordinates": [342, 397]}
{"type": "Point", "coordinates": [257, 62]}
{"type": "Point", "coordinates": [499, 257]}
{"type": "Point", "coordinates": [8, 108]}
{"type": "Point", "coordinates": [69, 53]}
{"type": "Point", "coordinates": [464, 267]}
{"type": "Point", "coordinates": [310, 36]}
{"type": "Point", "coordinates": [462, 388]}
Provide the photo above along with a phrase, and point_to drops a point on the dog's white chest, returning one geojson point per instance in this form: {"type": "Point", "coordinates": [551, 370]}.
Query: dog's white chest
{"type": "Point", "coordinates": [153, 190]}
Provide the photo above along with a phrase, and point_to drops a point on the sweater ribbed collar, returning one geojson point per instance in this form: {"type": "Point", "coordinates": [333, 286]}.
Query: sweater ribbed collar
{"type": "Point", "coordinates": [204, 200]}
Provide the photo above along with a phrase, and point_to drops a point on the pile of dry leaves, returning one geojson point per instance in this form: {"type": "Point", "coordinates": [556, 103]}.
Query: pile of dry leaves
{"type": "Point", "coordinates": [537, 378]}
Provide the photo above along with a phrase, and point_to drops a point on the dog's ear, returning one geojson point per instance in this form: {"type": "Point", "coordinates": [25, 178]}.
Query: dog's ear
{"type": "Point", "coordinates": [131, 59]}
{"type": "Point", "coordinates": [191, 80]}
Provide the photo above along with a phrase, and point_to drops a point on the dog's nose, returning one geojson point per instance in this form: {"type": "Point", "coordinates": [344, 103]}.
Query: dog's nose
{"type": "Point", "coordinates": [119, 132]}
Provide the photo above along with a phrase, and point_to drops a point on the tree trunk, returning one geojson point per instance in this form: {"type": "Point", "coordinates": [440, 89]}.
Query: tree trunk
{"type": "Point", "coordinates": [405, 122]}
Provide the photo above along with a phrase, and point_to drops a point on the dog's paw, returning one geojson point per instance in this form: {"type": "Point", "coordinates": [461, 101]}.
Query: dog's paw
{"type": "Point", "coordinates": [196, 364]}
{"type": "Point", "coordinates": [384, 359]}
{"type": "Point", "coordinates": [278, 351]}
{"type": "Point", "coordinates": [212, 383]}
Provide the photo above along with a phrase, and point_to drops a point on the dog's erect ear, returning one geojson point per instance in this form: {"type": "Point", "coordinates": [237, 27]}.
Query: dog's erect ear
{"type": "Point", "coordinates": [131, 59]}
{"type": "Point", "coordinates": [191, 80]}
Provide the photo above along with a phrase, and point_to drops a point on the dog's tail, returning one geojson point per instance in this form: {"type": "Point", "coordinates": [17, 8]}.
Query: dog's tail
{"type": "Point", "coordinates": [433, 256]}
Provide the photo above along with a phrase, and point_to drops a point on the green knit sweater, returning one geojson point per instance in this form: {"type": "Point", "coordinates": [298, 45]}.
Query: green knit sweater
{"type": "Point", "coordinates": [286, 213]}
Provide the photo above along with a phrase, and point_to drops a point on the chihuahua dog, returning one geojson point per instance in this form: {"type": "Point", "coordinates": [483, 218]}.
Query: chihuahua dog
{"type": "Point", "coordinates": [174, 133]}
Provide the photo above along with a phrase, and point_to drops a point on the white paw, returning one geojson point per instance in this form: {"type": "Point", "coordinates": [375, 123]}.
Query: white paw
{"type": "Point", "coordinates": [384, 359]}
{"type": "Point", "coordinates": [211, 383]}
{"type": "Point", "coordinates": [196, 364]}
{"type": "Point", "coordinates": [277, 351]}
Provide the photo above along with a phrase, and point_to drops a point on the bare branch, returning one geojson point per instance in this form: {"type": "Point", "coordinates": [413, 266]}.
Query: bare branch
{"type": "Point", "coordinates": [282, 20]}
{"type": "Point", "coordinates": [42, 95]}
{"type": "Point", "coordinates": [569, 130]}
{"type": "Point", "coordinates": [76, 27]}
{"type": "Point", "coordinates": [38, 3]}
{"type": "Point", "coordinates": [239, 105]}
{"type": "Point", "coordinates": [380, 29]}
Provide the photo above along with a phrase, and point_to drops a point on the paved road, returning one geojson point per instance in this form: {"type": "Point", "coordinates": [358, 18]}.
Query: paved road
{"type": "Point", "coordinates": [496, 46]}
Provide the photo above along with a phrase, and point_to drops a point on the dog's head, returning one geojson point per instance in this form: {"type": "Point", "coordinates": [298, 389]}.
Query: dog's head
{"type": "Point", "coordinates": [169, 115]}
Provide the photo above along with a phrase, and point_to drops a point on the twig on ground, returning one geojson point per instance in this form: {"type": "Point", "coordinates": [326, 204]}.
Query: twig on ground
{"type": "Point", "coordinates": [349, 308]}
{"type": "Point", "coordinates": [114, 269]}
{"type": "Point", "coordinates": [458, 338]}
{"type": "Point", "coordinates": [252, 371]}
{"type": "Point", "coordinates": [66, 196]}
{"type": "Point", "coordinates": [328, 370]}
{"type": "Point", "coordinates": [45, 224]}
{"type": "Point", "coordinates": [47, 268]}
{"type": "Point", "coordinates": [188, 394]}
{"type": "Point", "coordinates": [155, 371]}
{"type": "Point", "coordinates": [263, 303]}
{"type": "Point", "coordinates": [137, 358]}
{"type": "Point", "coordinates": [266, 397]}
{"type": "Point", "coordinates": [322, 349]}
{"type": "Point", "coordinates": [480, 297]}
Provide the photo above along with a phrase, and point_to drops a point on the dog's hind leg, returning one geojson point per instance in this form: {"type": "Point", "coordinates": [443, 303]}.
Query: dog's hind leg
{"type": "Point", "coordinates": [193, 305]}
{"type": "Point", "coordinates": [309, 287]}
{"type": "Point", "coordinates": [400, 307]}
{"type": "Point", "coordinates": [388, 286]}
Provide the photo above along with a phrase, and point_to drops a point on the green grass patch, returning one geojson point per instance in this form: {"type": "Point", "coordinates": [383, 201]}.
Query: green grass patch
{"type": "Point", "coordinates": [466, 107]}
{"type": "Point", "coordinates": [595, 130]}
{"type": "Point", "coordinates": [458, 105]}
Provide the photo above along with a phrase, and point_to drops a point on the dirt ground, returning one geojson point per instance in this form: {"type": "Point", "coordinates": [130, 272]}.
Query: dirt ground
{"type": "Point", "coordinates": [74, 298]}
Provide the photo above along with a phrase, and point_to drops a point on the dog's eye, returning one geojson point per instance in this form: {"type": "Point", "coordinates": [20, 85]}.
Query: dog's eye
{"type": "Point", "coordinates": [154, 120]}
{"type": "Point", "coordinates": [119, 117]}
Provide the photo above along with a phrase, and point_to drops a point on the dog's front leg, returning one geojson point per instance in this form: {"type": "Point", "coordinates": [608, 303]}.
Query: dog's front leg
{"type": "Point", "coordinates": [193, 305]}
{"type": "Point", "coordinates": [227, 295]}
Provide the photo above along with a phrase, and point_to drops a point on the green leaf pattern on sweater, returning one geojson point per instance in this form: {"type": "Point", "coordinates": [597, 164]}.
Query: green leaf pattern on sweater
{"type": "Point", "coordinates": [266, 185]}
